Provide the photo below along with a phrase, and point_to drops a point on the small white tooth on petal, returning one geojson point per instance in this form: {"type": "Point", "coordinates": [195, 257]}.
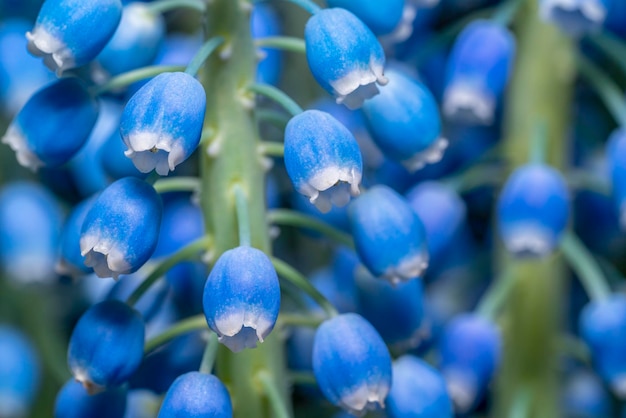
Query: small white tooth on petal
{"type": "Point", "coordinates": [430, 155]}
{"type": "Point", "coordinates": [467, 103]}
{"type": "Point", "coordinates": [15, 139]}
{"type": "Point", "coordinates": [529, 239]}
{"type": "Point", "coordinates": [364, 398]}
{"type": "Point", "coordinates": [359, 85]}
{"type": "Point", "coordinates": [57, 57]}
{"type": "Point", "coordinates": [407, 269]}
{"type": "Point", "coordinates": [151, 151]}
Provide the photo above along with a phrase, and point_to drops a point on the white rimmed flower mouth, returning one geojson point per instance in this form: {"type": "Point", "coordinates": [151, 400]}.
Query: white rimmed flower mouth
{"type": "Point", "coordinates": [150, 151]}
{"type": "Point", "coordinates": [431, 155]}
{"type": "Point", "coordinates": [462, 390]}
{"type": "Point", "coordinates": [359, 85]}
{"type": "Point", "coordinates": [15, 139]}
{"type": "Point", "coordinates": [465, 103]}
{"type": "Point", "coordinates": [409, 268]}
{"type": "Point", "coordinates": [364, 398]}
{"type": "Point", "coordinates": [332, 185]}
{"type": "Point", "coordinates": [106, 259]}
{"type": "Point", "coordinates": [529, 240]}
{"type": "Point", "coordinates": [242, 330]}
{"type": "Point", "coordinates": [56, 55]}
{"type": "Point", "coordinates": [575, 17]}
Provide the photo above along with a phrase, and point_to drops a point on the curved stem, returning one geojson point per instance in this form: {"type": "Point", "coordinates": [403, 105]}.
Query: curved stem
{"type": "Point", "coordinates": [271, 390]}
{"type": "Point", "coordinates": [297, 279]}
{"type": "Point", "coordinates": [177, 184]}
{"type": "Point", "coordinates": [310, 320]}
{"type": "Point", "coordinates": [194, 323]}
{"type": "Point", "coordinates": [302, 378]}
{"type": "Point", "coordinates": [585, 266]}
{"type": "Point", "coordinates": [506, 11]}
{"type": "Point", "coordinates": [162, 6]}
{"type": "Point", "coordinates": [611, 46]}
{"type": "Point", "coordinates": [277, 118]}
{"type": "Point", "coordinates": [126, 79]}
{"type": "Point", "coordinates": [292, 218]}
{"type": "Point", "coordinates": [210, 354]}
{"type": "Point", "coordinates": [608, 91]}
{"type": "Point", "coordinates": [496, 296]}
{"type": "Point", "coordinates": [272, 149]}
{"type": "Point", "coordinates": [203, 54]}
{"type": "Point", "coordinates": [538, 147]}
{"type": "Point", "coordinates": [278, 96]}
{"type": "Point", "coordinates": [187, 252]}
{"type": "Point", "coordinates": [243, 220]}
{"type": "Point", "coordinates": [286, 43]}
{"type": "Point", "coordinates": [306, 5]}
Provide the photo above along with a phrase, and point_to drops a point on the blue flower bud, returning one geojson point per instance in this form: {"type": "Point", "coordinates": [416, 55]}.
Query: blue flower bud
{"type": "Point", "coordinates": [603, 328]}
{"type": "Point", "coordinates": [34, 133]}
{"type": "Point", "coordinates": [584, 395]}
{"type": "Point", "coordinates": [197, 395]}
{"type": "Point", "coordinates": [136, 41]}
{"type": "Point", "coordinates": [106, 346]}
{"type": "Point", "coordinates": [381, 19]}
{"type": "Point", "coordinates": [60, 33]}
{"type": "Point", "coordinates": [322, 159]}
{"type": "Point", "coordinates": [616, 159]}
{"type": "Point", "coordinates": [344, 56]}
{"type": "Point", "coordinates": [264, 22]}
{"type": "Point", "coordinates": [478, 71]}
{"type": "Point", "coordinates": [71, 262]}
{"type": "Point", "coordinates": [73, 401]}
{"type": "Point", "coordinates": [19, 373]}
{"type": "Point", "coordinates": [469, 355]}
{"type": "Point", "coordinates": [121, 230]}
{"type": "Point", "coordinates": [351, 363]}
{"type": "Point", "coordinates": [417, 391]}
{"type": "Point", "coordinates": [404, 122]}
{"type": "Point", "coordinates": [242, 298]}
{"type": "Point", "coordinates": [533, 209]}
{"type": "Point", "coordinates": [162, 122]}
{"type": "Point", "coordinates": [575, 17]}
{"type": "Point", "coordinates": [389, 237]}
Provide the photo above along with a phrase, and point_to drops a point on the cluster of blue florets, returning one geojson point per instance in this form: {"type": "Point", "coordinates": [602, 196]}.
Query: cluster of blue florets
{"type": "Point", "coordinates": [396, 322]}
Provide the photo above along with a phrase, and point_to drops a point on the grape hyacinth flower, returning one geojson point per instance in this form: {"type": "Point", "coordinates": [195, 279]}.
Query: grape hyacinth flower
{"type": "Point", "coordinates": [73, 401]}
{"type": "Point", "coordinates": [71, 262]}
{"type": "Point", "coordinates": [344, 56]}
{"type": "Point", "coordinates": [404, 122]}
{"type": "Point", "coordinates": [351, 364]}
{"type": "Point", "coordinates": [575, 17]}
{"type": "Point", "coordinates": [60, 32]}
{"type": "Point", "coordinates": [533, 209]}
{"type": "Point", "coordinates": [121, 230]}
{"type": "Point", "coordinates": [106, 346]}
{"type": "Point", "coordinates": [389, 236]}
{"type": "Point", "coordinates": [381, 19]}
{"type": "Point", "coordinates": [603, 328]}
{"type": "Point", "coordinates": [478, 71]}
{"type": "Point", "coordinates": [34, 133]}
{"type": "Point", "coordinates": [417, 391]}
{"type": "Point", "coordinates": [196, 395]}
{"type": "Point", "coordinates": [162, 122]}
{"type": "Point", "coordinates": [616, 158]}
{"type": "Point", "coordinates": [323, 159]}
{"type": "Point", "coordinates": [242, 298]}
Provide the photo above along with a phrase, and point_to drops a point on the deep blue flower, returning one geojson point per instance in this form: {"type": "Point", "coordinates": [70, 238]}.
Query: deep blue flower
{"type": "Point", "coordinates": [584, 395]}
{"type": "Point", "coordinates": [73, 401]}
{"type": "Point", "coordinates": [71, 262]}
{"type": "Point", "coordinates": [344, 56]}
{"type": "Point", "coordinates": [616, 160]}
{"type": "Point", "coordinates": [469, 350]}
{"type": "Point", "coordinates": [478, 71]}
{"type": "Point", "coordinates": [34, 133]}
{"type": "Point", "coordinates": [389, 236]}
{"type": "Point", "coordinates": [533, 210]}
{"type": "Point", "coordinates": [382, 19]}
{"type": "Point", "coordinates": [576, 17]}
{"type": "Point", "coordinates": [121, 230]}
{"type": "Point", "coordinates": [162, 122]}
{"type": "Point", "coordinates": [19, 373]}
{"type": "Point", "coordinates": [197, 395]}
{"type": "Point", "coordinates": [404, 122]}
{"type": "Point", "coordinates": [603, 328]}
{"type": "Point", "coordinates": [242, 298]}
{"type": "Point", "coordinates": [322, 159]}
{"type": "Point", "coordinates": [417, 391]}
{"type": "Point", "coordinates": [70, 33]}
{"type": "Point", "coordinates": [264, 22]}
{"type": "Point", "coordinates": [351, 363]}
{"type": "Point", "coordinates": [106, 346]}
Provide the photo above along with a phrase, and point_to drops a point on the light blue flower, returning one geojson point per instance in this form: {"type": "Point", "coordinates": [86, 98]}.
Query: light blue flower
{"type": "Point", "coordinates": [197, 395]}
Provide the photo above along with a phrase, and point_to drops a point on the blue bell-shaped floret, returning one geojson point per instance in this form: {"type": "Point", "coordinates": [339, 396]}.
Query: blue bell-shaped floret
{"type": "Point", "coordinates": [576, 17]}
{"type": "Point", "coordinates": [106, 346]}
{"type": "Point", "coordinates": [351, 364]}
{"type": "Point", "coordinates": [381, 18]}
{"type": "Point", "coordinates": [73, 401]}
{"type": "Point", "coordinates": [584, 395]}
{"type": "Point", "coordinates": [533, 210]}
{"type": "Point", "coordinates": [344, 56]}
{"type": "Point", "coordinates": [242, 298]}
{"type": "Point", "coordinates": [121, 230]}
{"type": "Point", "coordinates": [322, 159]}
{"type": "Point", "coordinates": [35, 132]}
{"type": "Point", "coordinates": [404, 122]}
{"type": "Point", "coordinates": [197, 395]}
{"type": "Point", "coordinates": [162, 122]}
{"type": "Point", "coordinates": [478, 71]}
{"type": "Point", "coordinates": [616, 160]}
{"type": "Point", "coordinates": [389, 236]}
{"type": "Point", "coordinates": [70, 33]}
{"type": "Point", "coordinates": [71, 262]}
{"type": "Point", "coordinates": [417, 391]}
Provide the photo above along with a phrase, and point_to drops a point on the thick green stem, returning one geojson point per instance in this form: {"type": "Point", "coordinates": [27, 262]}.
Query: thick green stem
{"type": "Point", "coordinates": [540, 93]}
{"type": "Point", "coordinates": [231, 157]}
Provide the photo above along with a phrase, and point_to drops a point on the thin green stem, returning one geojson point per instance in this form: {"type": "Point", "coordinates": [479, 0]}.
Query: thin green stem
{"type": "Point", "coordinates": [506, 12]}
{"type": "Point", "coordinates": [572, 347]}
{"type": "Point", "coordinates": [297, 279]}
{"type": "Point", "coordinates": [243, 219]}
{"type": "Point", "coordinates": [126, 79]}
{"type": "Point", "coordinates": [611, 46]}
{"type": "Point", "coordinates": [586, 180]}
{"type": "Point", "coordinates": [521, 407]}
{"type": "Point", "coordinates": [177, 184]}
{"type": "Point", "coordinates": [538, 147]}
{"type": "Point", "coordinates": [609, 92]}
{"type": "Point", "coordinates": [162, 6]}
{"type": "Point", "coordinates": [271, 390]}
{"type": "Point", "coordinates": [272, 149]}
{"type": "Point", "coordinates": [310, 320]}
{"type": "Point", "coordinates": [278, 96]}
{"type": "Point", "coordinates": [586, 267]}
{"type": "Point", "coordinates": [184, 326]}
{"type": "Point", "coordinates": [275, 117]}
{"type": "Point", "coordinates": [210, 354]}
{"type": "Point", "coordinates": [188, 252]}
{"type": "Point", "coordinates": [286, 43]}
{"type": "Point", "coordinates": [288, 217]}
{"type": "Point", "coordinates": [497, 294]}
{"type": "Point", "coordinates": [302, 378]}
{"type": "Point", "coordinates": [203, 54]}
{"type": "Point", "coordinates": [306, 5]}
